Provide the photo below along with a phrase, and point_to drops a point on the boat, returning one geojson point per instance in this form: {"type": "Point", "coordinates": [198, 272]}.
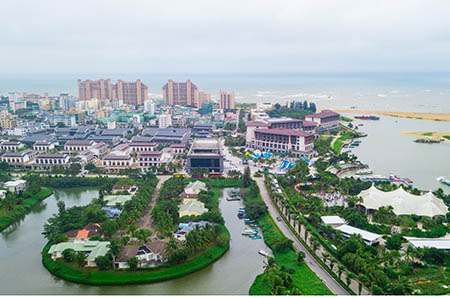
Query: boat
{"type": "Point", "coordinates": [262, 252]}
{"type": "Point", "coordinates": [256, 236]}
{"type": "Point", "coordinates": [444, 181]}
{"type": "Point", "coordinates": [357, 142]}
{"type": "Point", "coordinates": [242, 216]}
{"type": "Point", "coordinates": [363, 117]}
{"type": "Point", "coordinates": [396, 178]}
{"type": "Point", "coordinates": [249, 231]}
{"type": "Point", "coordinates": [427, 140]}
{"type": "Point", "coordinates": [249, 221]}
{"type": "Point", "coordinates": [364, 172]}
{"type": "Point", "coordinates": [233, 198]}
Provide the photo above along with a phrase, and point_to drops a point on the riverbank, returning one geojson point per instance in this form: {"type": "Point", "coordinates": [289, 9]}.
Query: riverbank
{"type": "Point", "coordinates": [411, 115]}
{"type": "Point", "coordinates": [22, 209]}
{"type": "Point", "coordinates": [303, 277]}
{"type": "Point", "coordinates": [443, 135]}
{"type": "Point", "coordinates": [140, 276]}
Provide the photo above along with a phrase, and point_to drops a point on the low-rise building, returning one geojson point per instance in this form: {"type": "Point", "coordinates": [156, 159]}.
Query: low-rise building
{"type": "Point", "coordinates": [298, 142]}
{"type": "Point", "coordinates": [15, 185]}
{"type": "Point", "coordinates": [46, 161]}
{"type": "Point", "coordinates": [43, 146]}
{"type": "Point", "coordinates": [332, 220]}
{"type": "Point", "coordinates": [205, 153]}
{"type": "Point", "coordinates": [142, 146]}
{"type": "Point", "coordinates": [178, 148]}
{"type": "Point", "coordinates": [269, 123]}
{"type": "Point", "coordinates": [99, 149]}
{"type": "Point", "coordinates": [10, 146]}
{"type": "Point", "coordinates": [114, 163]}
{"type": "Point", "coordinates": [78, 145]}
{"type": "Point", "coordinates": [147, 160]}
{"type": "Point", "coordinates": [326, 120]}
{"type": "Point", "coordinates": [192, 207]}
{"type": "Point", "coordinates": [185, 228]}
{"type": "Point", "coordinates": [368, 237]}
{"type": "Point", "coordinates": [116, 200]}
{"type": "Point", "coordinates": [18, 159]}
{"type": "Point", "coordinates": [92, 249]}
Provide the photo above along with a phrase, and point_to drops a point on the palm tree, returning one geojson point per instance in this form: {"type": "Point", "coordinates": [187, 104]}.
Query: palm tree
{"type": "Point", "coordinates": [333, 261]}
{"type": "Point", "coordinates": [315, 244]}
{"type": "Point", "coordinates": [270, 264]}
{"type": "Point", "coordinates": [363, 279]}
{"type": "Point", "coordinates": [350, 276]}
{"type": "Point", "coordinates": [325, 257]}
{"type": "Point", "coordinates": [341, 269]}
{"type": "Point", "coordinates": [171, 246]}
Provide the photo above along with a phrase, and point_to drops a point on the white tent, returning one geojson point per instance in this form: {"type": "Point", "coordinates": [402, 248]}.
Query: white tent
{"type": "Point", "coordinates": [403, 202]}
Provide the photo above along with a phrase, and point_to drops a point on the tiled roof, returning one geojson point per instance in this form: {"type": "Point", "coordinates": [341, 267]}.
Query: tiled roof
{"type": "Point", "coordinates": [284, 132]}
{"type": "Point", "coordinates": [324, 114]}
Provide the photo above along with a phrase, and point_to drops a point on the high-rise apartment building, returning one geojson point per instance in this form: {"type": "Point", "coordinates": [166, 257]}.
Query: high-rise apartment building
{"type": "Point", "coordinates": [182, 94]}
{"type": "Point", "coordinates": [226, 100]}
{"type": "Point", "coordinates": [164, 121]}
{"type": "Point", "coordinates": [203, 98]}
{"type": "Point", "coordinates": [131, 93]}
{"type": "Point", "coordinates": [149, 106]}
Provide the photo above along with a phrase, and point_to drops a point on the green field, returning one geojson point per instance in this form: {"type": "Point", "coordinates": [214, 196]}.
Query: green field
{"type": "Point", "coordinates": [8, 218]}
{"type": "Point", "coordinates": [447, 137]}
{"type": "Point", "coordinates": [304, 278]}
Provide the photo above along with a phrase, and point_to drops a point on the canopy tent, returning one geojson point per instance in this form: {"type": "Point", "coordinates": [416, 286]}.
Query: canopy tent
{"type": "Point", "coordinates": [403, 202]}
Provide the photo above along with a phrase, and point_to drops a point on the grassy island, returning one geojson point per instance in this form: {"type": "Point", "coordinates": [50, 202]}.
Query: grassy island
{"type": "Point", "coordinates": [93, 276]}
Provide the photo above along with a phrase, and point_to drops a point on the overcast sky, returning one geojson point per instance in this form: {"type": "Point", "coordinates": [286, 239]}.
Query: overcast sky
{"type": "Point", "coordinates": [224, 36]}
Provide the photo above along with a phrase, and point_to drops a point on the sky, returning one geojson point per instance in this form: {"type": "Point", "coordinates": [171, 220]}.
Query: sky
{"type": "Point", "coordinates": [224, 36]}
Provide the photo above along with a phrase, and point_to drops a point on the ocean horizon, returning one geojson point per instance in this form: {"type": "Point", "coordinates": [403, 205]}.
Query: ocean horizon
{"type": "Point", "coordinates": [408, 92]}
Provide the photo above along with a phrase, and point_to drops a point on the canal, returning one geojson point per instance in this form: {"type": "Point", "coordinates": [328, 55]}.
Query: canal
{"type": "Point", "coordinates": [23, 273]}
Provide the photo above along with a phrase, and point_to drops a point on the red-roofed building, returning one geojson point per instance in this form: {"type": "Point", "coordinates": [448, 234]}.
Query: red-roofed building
{"type": "Point", "coordinates": [326, 120]}
{"type": "Point", "coordinates": [82, 234]}
{"type": "Point", "coordinates": [298, 142]}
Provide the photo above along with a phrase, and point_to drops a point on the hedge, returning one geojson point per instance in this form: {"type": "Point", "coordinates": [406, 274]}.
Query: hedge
{"type": "Point", "coordinates": [122, 277]}
{"type": "Point", "coordinates": [21, 210]}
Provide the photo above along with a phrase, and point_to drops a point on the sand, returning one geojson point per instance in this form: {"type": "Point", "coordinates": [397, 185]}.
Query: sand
{"type": "Point", "coordinates": [412, 115]}
{"type": "Point", "coordinates": [434, 134]}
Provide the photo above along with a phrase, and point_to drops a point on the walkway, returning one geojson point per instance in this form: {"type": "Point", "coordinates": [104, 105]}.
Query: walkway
{"type": "Point", "coordinates": [329, 281]}
{"type": "Point", "coordinates": [146, 220]}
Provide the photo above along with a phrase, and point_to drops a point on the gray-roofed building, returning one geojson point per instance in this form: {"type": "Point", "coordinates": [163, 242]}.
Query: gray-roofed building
{"type": "Point", "coordinates": [205, 153]}
{"type": "Point", "coordinates": [168, 136]}
{"type": "Point", "coordinates": [120, 132]}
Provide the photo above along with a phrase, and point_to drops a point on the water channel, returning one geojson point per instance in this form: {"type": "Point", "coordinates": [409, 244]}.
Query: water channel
{"type": "Point", "coordinates": [23, 273]}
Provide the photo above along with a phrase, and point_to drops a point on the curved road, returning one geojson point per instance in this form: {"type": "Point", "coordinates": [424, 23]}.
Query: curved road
{"type": "Point", "coordinates": [329, 281]}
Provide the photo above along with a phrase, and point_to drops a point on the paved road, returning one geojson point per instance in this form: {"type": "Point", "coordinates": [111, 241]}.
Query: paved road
{"type": "Point", "coordinates": [146, 220]}
{"type": "Point", "coordinates": [330, 282]}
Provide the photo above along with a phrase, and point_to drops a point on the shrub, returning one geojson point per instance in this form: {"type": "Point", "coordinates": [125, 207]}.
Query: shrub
{"type": "Point", "coordinates": [103, 262]}
{"type": "Point", "coordinates": [223, 239]}
{"type": "Point", "coordinates": [282, 244]}
{"type": "Point", "coordinates": [68, 255]}
{"type": "Point", "coordinates": [60, 238]}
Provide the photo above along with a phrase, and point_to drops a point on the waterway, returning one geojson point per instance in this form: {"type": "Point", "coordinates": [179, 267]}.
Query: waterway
{"type": "Point", "coordinates": [23, 273]}
{"type": "Point", "coordinates": [386, 150]}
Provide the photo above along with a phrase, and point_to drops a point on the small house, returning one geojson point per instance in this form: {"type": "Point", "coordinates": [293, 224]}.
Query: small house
{"type": "Point", "coordinates": [16, 185]}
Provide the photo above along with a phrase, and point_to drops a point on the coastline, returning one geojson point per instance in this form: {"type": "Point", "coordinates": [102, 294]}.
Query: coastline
{"type": "Point", "coordinates": [412, 115]}
{"type": "Point", "coordinates": [429, 134]}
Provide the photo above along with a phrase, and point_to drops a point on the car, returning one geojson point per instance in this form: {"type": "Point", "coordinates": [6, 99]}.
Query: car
{"type": "Point", "coordinates": [278, 218]}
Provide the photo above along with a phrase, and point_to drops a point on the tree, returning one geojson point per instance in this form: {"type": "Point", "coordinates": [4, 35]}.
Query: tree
{"type": "Point", "coordinates": [103, 262]}
{"type": "Point", "coordinates": [60, 238]}
{"type": "Point", "coordinates": [350, 276]}
{"type": "Point", "coordinates": [91, 167]}
{"type": "Point", "coordinates": [133, 263]}
{"type": "Point", "coordinates": [246, 179]}
{"type": "Point", "coordinates": [394, 242]}
{"type": "Point", "coordinates": [142, 235]}
{"type": "Point", "coordinates": [74, 169]}
{"type": "Point", "coordinates": [223, 240]}
{"type": "Point", "coordinates": [341, 269]}
{"type": "Point", "coordinates": [300, 256]}
{"type": "Point", "coordinates": [109, 228]}
{"type": "Point", "coordinates": [363, 279]}
{"type": "Point", "coordinates": [68, 255]}
{"type": "Point", "coordinates": [80, 258]}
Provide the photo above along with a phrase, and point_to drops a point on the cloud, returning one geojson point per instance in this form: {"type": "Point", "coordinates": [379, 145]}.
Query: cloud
{"type": "Point", "coordinates": [224, 36]}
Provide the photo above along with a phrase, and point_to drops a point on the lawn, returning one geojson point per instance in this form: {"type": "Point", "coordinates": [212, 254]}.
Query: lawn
{"type": "Point", "coordinates": [447, 137]}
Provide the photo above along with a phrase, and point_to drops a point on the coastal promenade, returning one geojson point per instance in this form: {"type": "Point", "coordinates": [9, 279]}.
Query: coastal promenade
{"type": "Point", "coordinates": [328, 280]}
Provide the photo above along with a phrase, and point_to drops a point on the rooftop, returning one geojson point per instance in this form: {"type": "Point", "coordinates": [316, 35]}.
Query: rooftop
{"type": "Point", "coordinates": [113, 200]}
{"type": "Point", "coordinates": [324, 114]}
{"type": "Point", "coordinates": [366, 235]}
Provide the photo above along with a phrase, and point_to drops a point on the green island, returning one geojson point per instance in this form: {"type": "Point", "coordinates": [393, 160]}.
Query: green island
{"type": "Point", "coordinates": [201, 248]}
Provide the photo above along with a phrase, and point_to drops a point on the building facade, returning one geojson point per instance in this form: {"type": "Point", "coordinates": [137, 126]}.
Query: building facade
{"type": "Point", "coordinates": [181, 93]}
{"type": "Point", "coordinates": [300, 143]}
{"type": "Point", "coordinates": [326, 120]}
{"type": "Point", "coordinates": [270, 123]}
{"type": "Point", "coordinates": [205, 153]}
{"type": "Point", "coordinates": [226, 100]}
{"type": "Point", "coordinates": [164, 121]}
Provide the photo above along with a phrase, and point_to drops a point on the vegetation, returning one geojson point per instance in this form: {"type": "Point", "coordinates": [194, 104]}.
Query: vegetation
{"type": "Point", "coordinates": [234, 141]}
{"type": "Point", "coordinates": [294, 109]}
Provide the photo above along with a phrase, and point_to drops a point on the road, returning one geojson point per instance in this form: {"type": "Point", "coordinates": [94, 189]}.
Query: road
{"type": "Point", "coordinates": [330, 282]}
{"type": "Point", "coordinates": [146, 222]}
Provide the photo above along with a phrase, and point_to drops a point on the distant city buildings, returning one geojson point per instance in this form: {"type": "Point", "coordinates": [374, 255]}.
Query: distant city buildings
{"type": "Point", "coordinates": [182, 94]}
{"type": "Point", "coordinates": [131, 93]}
{"type": "Point", "coordinates": [150, 106]}
{"type": "Point", "coordinates": [203, 98]}
{"type": "Point", "coordinates": [226, 100]}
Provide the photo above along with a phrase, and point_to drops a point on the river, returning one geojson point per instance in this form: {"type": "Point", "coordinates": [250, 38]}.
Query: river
{"type": "Point", "coordinates": [386, 150]}
{"type": "Point", "coordinates": [23, 273]}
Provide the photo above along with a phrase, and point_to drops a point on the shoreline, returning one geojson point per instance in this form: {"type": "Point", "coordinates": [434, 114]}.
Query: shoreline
{"type": "Point", "coordinates": [429, 134]}
{"type": "Point", "coordinates": [411, 115]}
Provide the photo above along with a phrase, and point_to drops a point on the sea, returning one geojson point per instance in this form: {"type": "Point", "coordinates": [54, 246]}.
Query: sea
{"type": "Point", "coordinates": [407, 92]}
{"type": "Point", "coordinates": [385, 149]}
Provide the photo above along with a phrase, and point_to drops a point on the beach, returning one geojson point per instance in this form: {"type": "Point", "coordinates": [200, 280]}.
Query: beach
{"type": "Point", "coordinates": [429, 134]}
{"type": "Point", "coordinates": [410, 115]}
